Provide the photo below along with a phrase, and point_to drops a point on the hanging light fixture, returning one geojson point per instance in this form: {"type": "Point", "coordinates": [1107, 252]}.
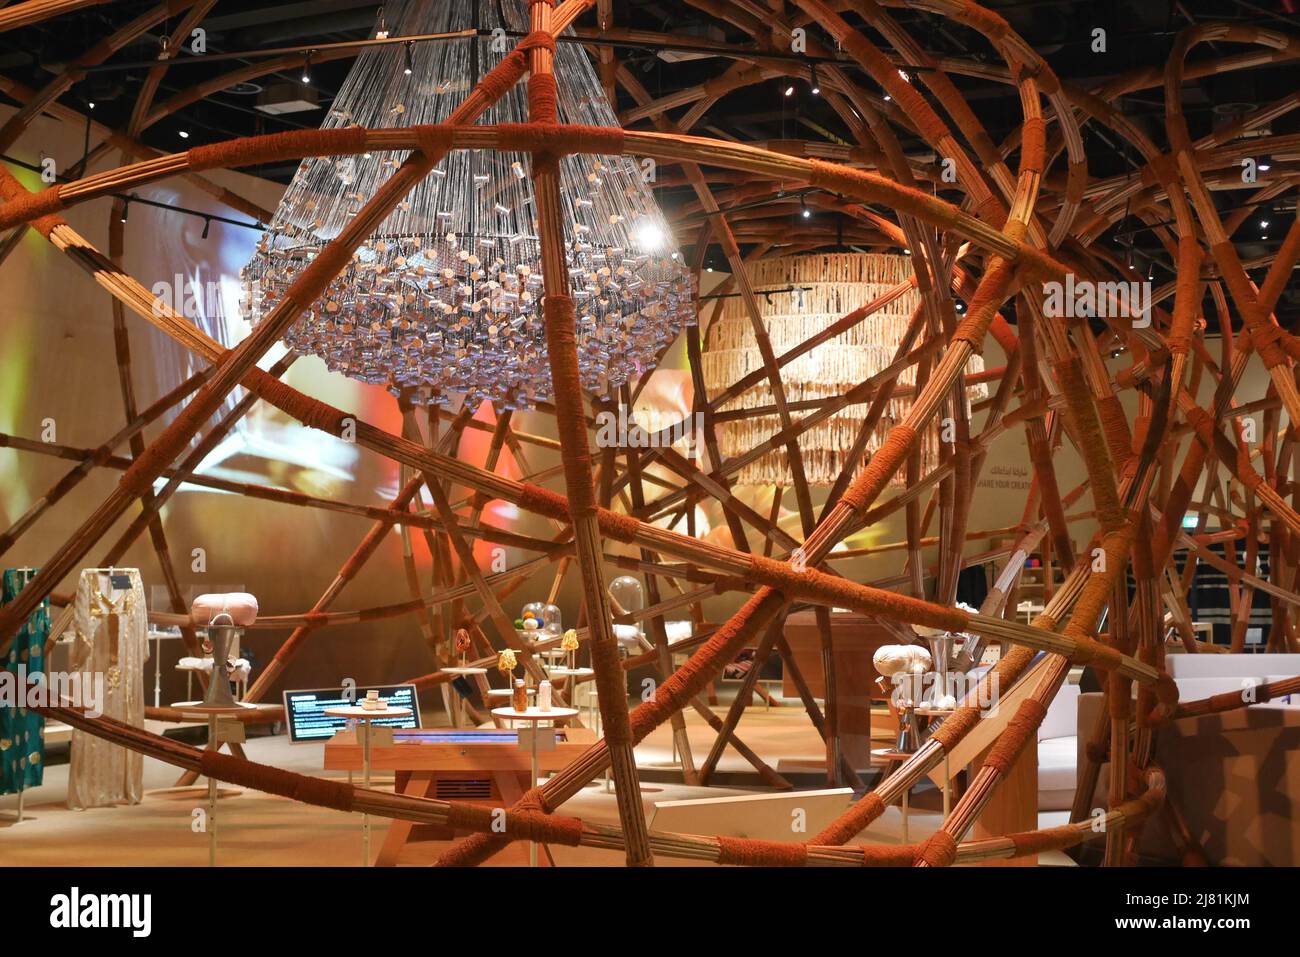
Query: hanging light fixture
{"type": "Point", "coordinates": [444, 299]}
{"type": "Point", "coordinates": [807, 294]}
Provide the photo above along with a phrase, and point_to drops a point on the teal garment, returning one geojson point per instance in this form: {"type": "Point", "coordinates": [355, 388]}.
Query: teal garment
{"type": "Point", "coordinates": [22, 732]}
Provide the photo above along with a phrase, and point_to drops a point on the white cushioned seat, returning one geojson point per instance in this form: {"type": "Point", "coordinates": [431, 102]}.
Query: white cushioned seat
{"type": "Point", "coordinates": [1057, 750]}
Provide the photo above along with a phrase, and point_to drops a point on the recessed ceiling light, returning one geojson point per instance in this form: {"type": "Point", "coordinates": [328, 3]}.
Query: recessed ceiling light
{"type": "Point", "coordinates": [184, 134]}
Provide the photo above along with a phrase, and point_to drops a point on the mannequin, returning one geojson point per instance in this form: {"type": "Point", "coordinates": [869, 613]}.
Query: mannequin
{"type": "Point", "coordinates": [111, 642]}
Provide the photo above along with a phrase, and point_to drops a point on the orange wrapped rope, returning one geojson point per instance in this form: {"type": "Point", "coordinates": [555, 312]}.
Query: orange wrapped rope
{"type": "Point", "coordinates": [252, 150]}
{"type": "Point", "coordinates": [519, 824]}
{"type": "Point", "coordinates": [867, 809]}
{"type": "Point", "coordinates": [738, 850]}
{"type": "Point", "coordinates": [888, 855]}
{"type": "Point", "coordinates": [938, 850]}
{"type": "Point", "coordinates": [542, 97]}
{"type": "Point", "coordinates": [1020, 729]}
{"type": "Point", "coordinates": [261, 777]}
{"type": "Point", "coordinates": [956, 726]}
{"type": "Point", "coordinates": [561, 140]}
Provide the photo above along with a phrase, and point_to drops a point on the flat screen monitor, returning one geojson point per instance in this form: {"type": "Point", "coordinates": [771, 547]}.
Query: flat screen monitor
{"type": "Point", "coordinates": [304, 711]}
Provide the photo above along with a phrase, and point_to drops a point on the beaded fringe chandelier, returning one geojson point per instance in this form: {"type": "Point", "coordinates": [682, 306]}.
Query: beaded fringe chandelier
{"type": "Point", "coordinates": [445, 298]}
{"type": "Point", "coordinates": [808, 294]}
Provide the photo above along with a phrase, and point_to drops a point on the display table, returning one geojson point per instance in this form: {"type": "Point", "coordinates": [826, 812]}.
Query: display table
{"type": "Point", "coordinates": [854, 640]}
{"type": "Point", "coordinates": [365, 720]}
{"type": "Point", "coordinates": [485, 766]}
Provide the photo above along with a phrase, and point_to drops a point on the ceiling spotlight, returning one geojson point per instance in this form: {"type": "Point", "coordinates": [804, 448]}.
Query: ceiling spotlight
{"type": "Point", "coordinates": [1263, 224]}
{"type": "Point", "coordinates": [91, 104]}
{"type": "Point", "coordinates": [306, 68]}
{"type": "Point", "coordinates": [126, 209]}
{"type": "Point", "coordinates": [789, 91]}
{"type": "Point", "coordinates": [961, 307]}
{"type": "Point", "coordinates": [1265, 164]}
{"type": "Point", "coordinates": [888, 97]}
{"type": "Point", "coordinates": [183, 134]}
{"type": "Point", "coordinates": [803, 208]}
{"type": "Point", "coordinates": [381, 28]}
{"type": "Point", "coordinates": [816, 86]}
{"type": "Point", "coordinates": [907, 252]}
{"type": "Point", "coordinates": [410, 67]}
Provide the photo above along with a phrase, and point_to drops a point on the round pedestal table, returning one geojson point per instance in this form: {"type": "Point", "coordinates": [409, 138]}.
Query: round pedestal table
{"type": "Point", "coordinates": [212, 713]}
{"type": "Point", "coordinates": [534, 716]}
{"type": "Point", "coordinates": [365, 719]}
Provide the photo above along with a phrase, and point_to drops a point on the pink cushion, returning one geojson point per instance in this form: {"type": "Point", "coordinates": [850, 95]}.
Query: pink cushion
{"type": "Point", "coordinates": [241, 606]}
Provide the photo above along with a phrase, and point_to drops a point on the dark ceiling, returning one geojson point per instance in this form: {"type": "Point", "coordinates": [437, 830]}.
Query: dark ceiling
{"type": "Point", "coordinates": [1140, 34]}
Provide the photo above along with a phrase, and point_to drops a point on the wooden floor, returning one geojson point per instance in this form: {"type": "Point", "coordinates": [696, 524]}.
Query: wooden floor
{"type": "Point", "coordinates": [261, 830]}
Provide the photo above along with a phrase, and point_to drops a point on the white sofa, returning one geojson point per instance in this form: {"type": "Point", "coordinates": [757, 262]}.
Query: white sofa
{"type": "Point", "coordinates": [1200, 676]}
{"type": "Point", "coordinates": [1057, 750]}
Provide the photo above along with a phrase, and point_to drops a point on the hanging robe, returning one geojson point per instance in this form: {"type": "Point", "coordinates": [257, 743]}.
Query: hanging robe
{"type": "Point", "coordinates": [110, 650]}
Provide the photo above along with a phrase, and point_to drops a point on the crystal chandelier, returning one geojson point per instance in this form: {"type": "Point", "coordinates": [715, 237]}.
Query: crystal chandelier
{"type": "Point", "coordinates": [803, 295]}
{"type": "Point", "coordinates": [444, 300]}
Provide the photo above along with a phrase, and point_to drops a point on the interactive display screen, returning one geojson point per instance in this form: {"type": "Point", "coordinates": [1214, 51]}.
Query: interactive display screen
{"type": "Point", "coordinates": [304, 711]}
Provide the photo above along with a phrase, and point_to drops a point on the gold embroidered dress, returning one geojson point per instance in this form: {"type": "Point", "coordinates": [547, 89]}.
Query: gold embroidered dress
{"type": "Point", "coordinates": [110, 651]}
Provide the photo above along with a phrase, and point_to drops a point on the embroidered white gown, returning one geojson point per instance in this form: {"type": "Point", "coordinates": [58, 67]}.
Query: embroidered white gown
{"type": "Point", "coordinates": [110, 650]}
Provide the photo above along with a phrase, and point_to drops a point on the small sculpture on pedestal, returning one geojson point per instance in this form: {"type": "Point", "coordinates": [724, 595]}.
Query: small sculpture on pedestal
{"type": "Point", "coordinates": [463, 644]}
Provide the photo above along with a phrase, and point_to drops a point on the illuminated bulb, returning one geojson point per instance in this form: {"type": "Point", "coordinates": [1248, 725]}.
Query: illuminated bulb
{"type": "Point", "coordinates": [650, 236]}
